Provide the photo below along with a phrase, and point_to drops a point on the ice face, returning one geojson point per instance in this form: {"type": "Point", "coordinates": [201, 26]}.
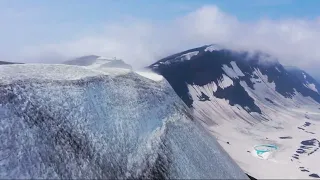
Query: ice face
{"type": "Point", "coordinates": [101, 126]}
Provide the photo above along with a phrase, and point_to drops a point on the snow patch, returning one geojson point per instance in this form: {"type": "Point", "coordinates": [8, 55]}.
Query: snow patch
{"type": "Point", "coordinates": [311, 86]}
{"type": "Point", "coordinates": [208, 89]}
{"type": "Point", "coordinates": [181, 58]}
{"type": "Point", "coordinates": [188, 56]}
{"type": "Point", "coordinates": [304, 75]}
{"type": "Point", "coordinates": [262, 77]}
{"type": "Point", "coordinates": [225, 81]}
{"type": "Point", "coordinates": [214, 110]}
{"type": "Point", "coordinates": [165, 62]}
{"type": "Point", "coordinates": [236, 69]}
{"type": "Point", "coordinates": [212, 48]}
{"type": "Point", "coordinates": [229, 71]}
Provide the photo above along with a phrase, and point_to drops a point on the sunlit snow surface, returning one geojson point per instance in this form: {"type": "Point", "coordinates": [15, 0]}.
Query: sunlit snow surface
{"type": "Point", "coordinates": [239, 131]}
{"type": "Point", "coordinates": [245, 101]}
{"type": "Point", "coordinates": [60, 121]}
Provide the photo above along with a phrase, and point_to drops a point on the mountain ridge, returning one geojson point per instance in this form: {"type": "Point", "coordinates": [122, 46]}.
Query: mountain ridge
{"type": "Point", "coordinates": [246, 100]}
{"type": "Point", "coordinates": [225, 57]}
{"type": "Point", "coordinates": [74, 122]}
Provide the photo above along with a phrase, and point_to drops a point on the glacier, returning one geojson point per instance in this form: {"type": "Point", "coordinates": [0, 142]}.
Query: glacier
{"type": "Point", "coordinates": [66, 121]}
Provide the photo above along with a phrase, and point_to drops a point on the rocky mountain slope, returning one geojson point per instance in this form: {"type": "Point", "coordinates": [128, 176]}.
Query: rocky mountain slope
{"type": "Point", "coordinates": [250, 101]}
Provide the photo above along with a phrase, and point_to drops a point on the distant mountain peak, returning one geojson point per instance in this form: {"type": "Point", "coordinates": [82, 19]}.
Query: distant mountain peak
{"type": "Point", "coordinates": [95, 61]}
{"type": "Point", "coordinates": [209, 64]}
{"type": "Point", "coordinates": [247, 98]}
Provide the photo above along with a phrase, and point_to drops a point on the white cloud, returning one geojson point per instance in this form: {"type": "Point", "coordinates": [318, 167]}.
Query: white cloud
{"type": "Point", "coordinates": [293, 41]}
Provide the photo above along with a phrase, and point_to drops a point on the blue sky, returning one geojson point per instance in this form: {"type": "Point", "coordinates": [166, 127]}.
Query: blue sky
{"type": "Point", "coordinates": [38, 30]}
{"type": "Point", "coordinates": [97, 11]}
{"type": "Point", "coordinates": [87, 14]}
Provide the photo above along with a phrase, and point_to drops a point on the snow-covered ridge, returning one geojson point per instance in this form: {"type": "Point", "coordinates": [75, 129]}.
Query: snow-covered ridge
{"type": "Point", "coordinates": [21, 72]}
{"type": "Point", "coordinates": [74, 122]}
{"type": "Point", "coordinates": [63, 72]}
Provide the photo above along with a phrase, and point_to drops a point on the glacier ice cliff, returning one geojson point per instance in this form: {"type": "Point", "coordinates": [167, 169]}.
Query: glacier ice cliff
{"type": "Point", "coordinates": [62, 121]}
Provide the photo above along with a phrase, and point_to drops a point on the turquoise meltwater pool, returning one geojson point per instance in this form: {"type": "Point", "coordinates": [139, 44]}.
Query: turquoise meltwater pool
{"type": "Point", "coordinates": [260, 149]}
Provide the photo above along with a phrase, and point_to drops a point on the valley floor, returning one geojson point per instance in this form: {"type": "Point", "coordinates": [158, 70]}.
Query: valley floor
{"type": "Point", "coordinates": [297, 152]}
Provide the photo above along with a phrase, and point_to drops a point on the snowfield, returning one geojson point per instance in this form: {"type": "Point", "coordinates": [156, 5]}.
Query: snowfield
{"type": "Point", "coordinates": [265, 115]}
{"type": "Point", "coordinates": [63, 121]}
{"type": "Point", "coordinates": [280, 163]}
{"type": "Point", "coordinates": [284, 123]}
